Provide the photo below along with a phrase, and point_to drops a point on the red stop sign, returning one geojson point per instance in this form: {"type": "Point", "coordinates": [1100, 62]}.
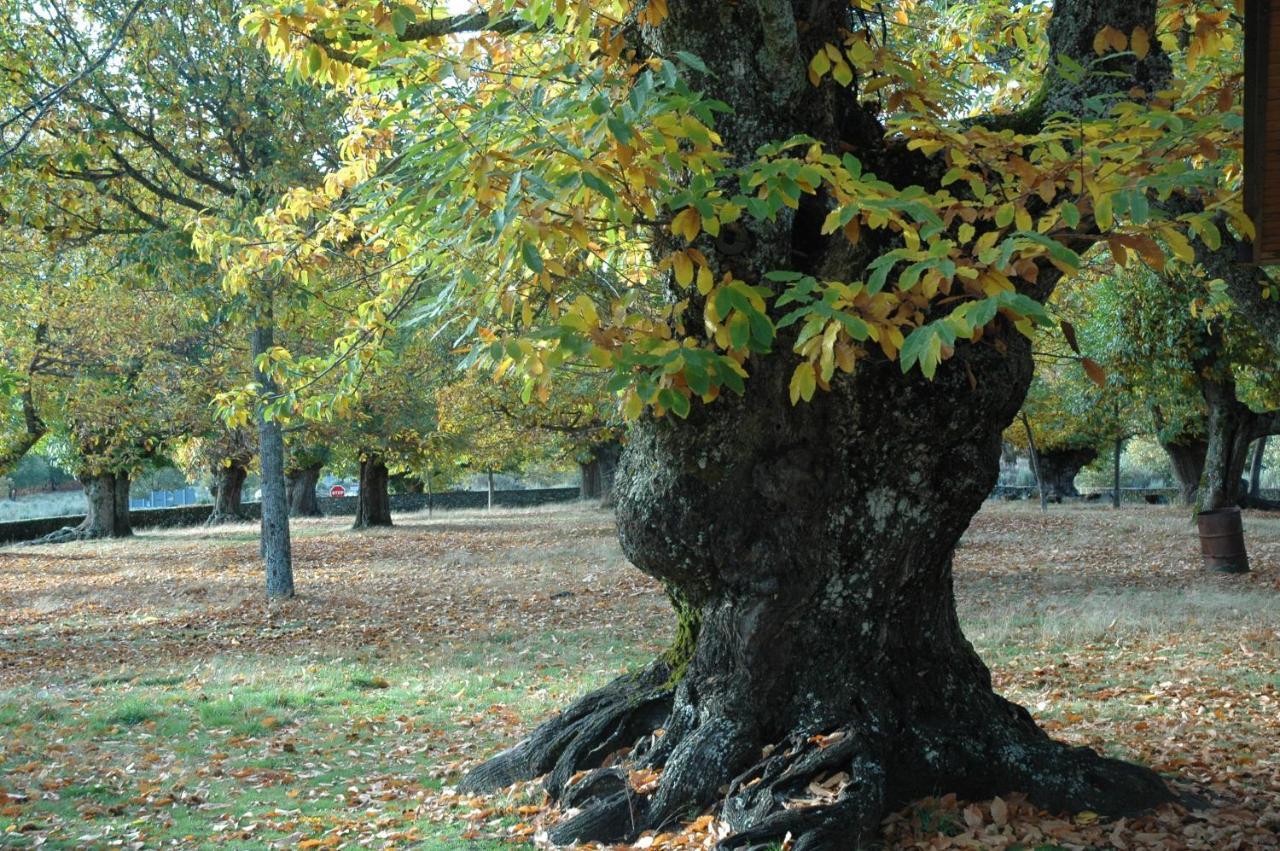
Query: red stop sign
{"type": "Point", "coordinates": [337, 490]}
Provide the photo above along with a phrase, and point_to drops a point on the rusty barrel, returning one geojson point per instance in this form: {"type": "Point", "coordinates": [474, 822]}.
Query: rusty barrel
{"type": "Point", "coordinates": [1222, 540]}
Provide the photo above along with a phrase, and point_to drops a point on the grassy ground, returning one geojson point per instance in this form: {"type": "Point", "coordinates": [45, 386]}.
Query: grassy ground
{"type": "Point", "coordinates": [149, 698]}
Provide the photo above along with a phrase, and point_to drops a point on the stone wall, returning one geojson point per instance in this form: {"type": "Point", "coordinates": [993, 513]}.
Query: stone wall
{"type": "Point", "coordinates": [194, 515]}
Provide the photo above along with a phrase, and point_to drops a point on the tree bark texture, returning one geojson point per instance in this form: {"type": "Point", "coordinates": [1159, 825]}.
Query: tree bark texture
{"type": "Point", "coordinates": [276, 548]}
{"type": "Point", "coordinates": [1186, 459]}
{"type": "Point", "coordinates": [373, 503]}
{"type": "Point", "coordinates": [300, 489]}
{"type": "Point", "coordinates": [1059, 468]}
{"type": "Point", "coordinates": [1232, 427]}
{"type": "Point", "coordinates": [815, 541]}
{"type": "Point", "coordinates": [228, 483]}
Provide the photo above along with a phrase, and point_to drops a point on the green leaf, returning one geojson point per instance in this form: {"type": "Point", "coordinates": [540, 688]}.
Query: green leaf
{"type": "Point", "coordinates": [532, 258]}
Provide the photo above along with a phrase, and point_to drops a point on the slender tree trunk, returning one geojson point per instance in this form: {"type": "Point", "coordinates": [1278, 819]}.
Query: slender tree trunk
{"type": "Point", "coordinates": [228, 484]}
{"type": "Point", "coordinates": [373, 503]}
{"type": "Point", "coordinates": [1117, 451]}
{"type": "Point", "coordinates": [1035, 464]}
{"type": "Point", "coordinates": [300, 488]}
{"type": "Point", "coordinates": [819, 560]}
{"type": "Point", "coordinates": [431, 496]}
{"type": "Point", "coordinates": [1186, 460]}
{"type": "Point", "coordinates": [491, 490]}
{"type": "Point", "coordinates": [276, 548]}
{"type": "Point", "coordinates": [1059, 468]}
{"type": "Point", "coordinates": [1255, 469]}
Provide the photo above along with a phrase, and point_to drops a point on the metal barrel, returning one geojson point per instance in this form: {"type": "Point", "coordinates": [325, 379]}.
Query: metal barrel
{"type": "Point", "coordinates": [1222, 540]}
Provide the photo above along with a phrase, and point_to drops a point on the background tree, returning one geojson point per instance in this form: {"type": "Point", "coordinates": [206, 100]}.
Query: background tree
{"type": "Point", "coordinates": [186, 121]}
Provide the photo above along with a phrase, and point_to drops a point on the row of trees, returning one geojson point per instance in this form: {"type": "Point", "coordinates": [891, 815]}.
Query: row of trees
{"type": "Point", "coordinates": [1164, 355]}
{"type": "Point", "coordinates": [803, 249]}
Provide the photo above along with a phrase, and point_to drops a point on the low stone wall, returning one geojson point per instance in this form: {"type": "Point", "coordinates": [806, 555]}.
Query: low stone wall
{"type": "Point", "coordinates": [194, 515]}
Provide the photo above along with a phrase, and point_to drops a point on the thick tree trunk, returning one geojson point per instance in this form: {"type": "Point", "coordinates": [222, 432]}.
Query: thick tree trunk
{"type": "Point", "coordinates": [228, 483]}
{"type": "Point", "coordinates": [373, 503]}
{"type": "Point", "coordinates": [589, 481]}
{"type": "Point", "coordinates": [276, 548]}
{"type": "Point", "coordinates": [491, 490]}
{"type": "Point", "coordinates": [1059, 468]}
{"type": "Point", "coordinates": [300, 489]}
{"type": "Point", "coordinates": [597, 475]}
{"type": "Point", "coordinates": [1186, 459]}
{"type": "Point", "coordinates": [106, 497]}
{"type": "Point", "coordinates": [815, 540]}
{"type": "Point", "coordinates": [822, 574]}
{"type": "Point", "coordinates": [1231, 430]}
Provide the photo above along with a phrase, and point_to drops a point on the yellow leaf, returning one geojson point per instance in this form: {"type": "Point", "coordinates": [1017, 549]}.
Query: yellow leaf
{"type": "Point", "coordinates": [803, 383]}
{"type": "Point", "coordinates": [819, 65]}
{"type": "Point", "coordinates": [1140, 42]}
{"type": "Point", "coordinates": [705, 282]}
{"type": "Point", "coordinates": [684, 268]}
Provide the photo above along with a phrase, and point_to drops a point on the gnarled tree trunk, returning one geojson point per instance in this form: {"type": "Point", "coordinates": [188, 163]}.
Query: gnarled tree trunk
{"type": "Point", "coordinates": [822, 574]}
{"type": "Point", "coordinates": [815, 541]}
{"type": "Point", "coordinates": [106, 497]}
{"type": "Point", "coordinates": [373, 503]}
{"type": "Point", "coordinates": [1186, 459]}
{"type": "Point", "coordinates": [300, 488]}
{"type": "Point", "coordinates": [597, 475]}
{"type": "Point", "coordinates": [228, 482]}
{"type": "Point", "coordinates": [1059, 468]}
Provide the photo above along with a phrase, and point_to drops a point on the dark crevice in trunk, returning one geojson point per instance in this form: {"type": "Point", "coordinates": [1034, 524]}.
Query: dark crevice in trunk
{"type": "Point", "coordinates": [373, 503]}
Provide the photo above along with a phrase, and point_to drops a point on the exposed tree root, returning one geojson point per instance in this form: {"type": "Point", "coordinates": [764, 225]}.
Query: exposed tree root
{"type": "Point", "coordinates": [71, 534]}
{"type": "Point", "coordinates": [829, 789]}
{"type": "Point", "coordinates": [583, 735]}
{"type": "Point", "coordinates": [220, 518]}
